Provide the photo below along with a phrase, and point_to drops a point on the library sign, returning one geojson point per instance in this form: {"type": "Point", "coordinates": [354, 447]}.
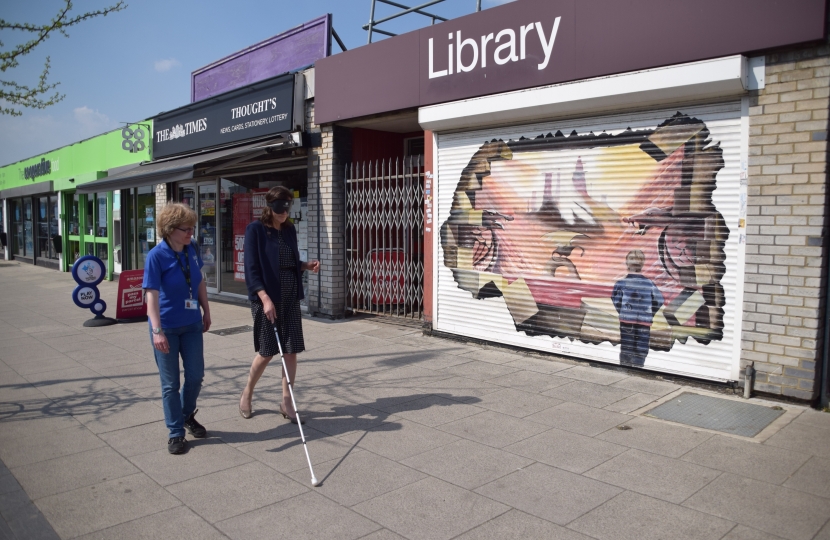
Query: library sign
{"type": "Point", "coordinates": [258, 110]}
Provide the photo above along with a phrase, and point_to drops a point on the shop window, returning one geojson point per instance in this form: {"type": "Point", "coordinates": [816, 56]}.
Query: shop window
{"type": "Point", "coordinates": [101, 215]}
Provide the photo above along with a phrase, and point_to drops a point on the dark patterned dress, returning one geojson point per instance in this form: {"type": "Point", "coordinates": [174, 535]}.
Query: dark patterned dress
{"type": "Point", "coordinates": [289, 319]}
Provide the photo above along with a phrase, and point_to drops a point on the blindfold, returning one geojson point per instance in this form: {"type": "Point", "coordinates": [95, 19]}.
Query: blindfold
{"type": "Point", "coordinates": [279, 206]}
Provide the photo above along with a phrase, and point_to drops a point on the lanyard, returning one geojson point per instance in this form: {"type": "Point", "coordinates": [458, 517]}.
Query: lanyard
{"type": "Point", "coordinates": [185, 272]}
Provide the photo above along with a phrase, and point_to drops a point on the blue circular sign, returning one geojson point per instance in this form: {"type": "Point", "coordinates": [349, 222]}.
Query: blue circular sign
{"type": "Point", "coordinates": [88, 272]}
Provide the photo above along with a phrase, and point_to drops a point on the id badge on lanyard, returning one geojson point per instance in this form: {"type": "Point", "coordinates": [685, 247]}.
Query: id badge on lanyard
{"type": "Point", "coordinates": [189, 303]}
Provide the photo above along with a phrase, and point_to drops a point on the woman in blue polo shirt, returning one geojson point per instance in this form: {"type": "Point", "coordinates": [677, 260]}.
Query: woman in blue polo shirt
{"type": "Point", "coordinates": [178, 313]}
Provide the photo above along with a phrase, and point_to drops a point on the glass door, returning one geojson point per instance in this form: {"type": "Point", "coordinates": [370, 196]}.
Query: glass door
{"type": "Point", "coordinates": [206, 232]}
{"type": "Point", "coordinates": [28, 228]}
{"type": "Point", "coordinates": [43, 244]}
{"type": "Point", "coordinates": [145, 229]}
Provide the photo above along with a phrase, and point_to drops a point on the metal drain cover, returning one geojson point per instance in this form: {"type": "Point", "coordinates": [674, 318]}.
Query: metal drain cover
{"type": "Point", "coordinates": [718, 414]}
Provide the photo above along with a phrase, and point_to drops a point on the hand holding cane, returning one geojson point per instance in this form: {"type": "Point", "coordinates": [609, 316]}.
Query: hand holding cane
{"type": "Point", "coordinates": [294, 404]}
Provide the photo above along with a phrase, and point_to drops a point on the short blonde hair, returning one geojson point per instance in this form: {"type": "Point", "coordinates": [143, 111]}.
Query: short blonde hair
{"type": "Point", "coordinates": [173, 216]}
{"type": "Point", "coordinates": [635, 260]}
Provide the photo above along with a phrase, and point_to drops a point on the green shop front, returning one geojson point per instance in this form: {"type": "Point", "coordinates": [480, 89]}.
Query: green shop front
{"type": "Point", "coordinates": [48, 222]}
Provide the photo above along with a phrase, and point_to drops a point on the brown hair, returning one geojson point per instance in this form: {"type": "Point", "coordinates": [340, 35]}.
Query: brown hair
{"type": "Point", "coordinates": [173, 216]}
{"type": "Point", "coordinates": [277, 193]}
{"type": "Point", "coordinates": [635, 260]}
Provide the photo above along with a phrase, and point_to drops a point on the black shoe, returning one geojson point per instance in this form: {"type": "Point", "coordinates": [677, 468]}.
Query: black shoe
{"type": "Point", "coordinates": [177, 445]}
{"type": "Point", "coordinates": [195, 428]}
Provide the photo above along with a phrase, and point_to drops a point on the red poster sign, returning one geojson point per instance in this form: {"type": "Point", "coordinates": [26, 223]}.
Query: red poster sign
{"type": "Point", "coordinates": [246, 208]}
{"type": "Point", "coordinates": [130, 295]}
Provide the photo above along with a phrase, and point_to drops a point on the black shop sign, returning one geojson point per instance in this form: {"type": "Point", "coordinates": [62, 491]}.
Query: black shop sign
{"type": "Point", "coordinates": [258, 110]}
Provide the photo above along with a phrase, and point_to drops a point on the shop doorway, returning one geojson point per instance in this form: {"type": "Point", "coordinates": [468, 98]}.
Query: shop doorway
{"type": "Point", "coordinates": [385, 237]}
{"type": "Point", "coordinates": [140, 216]}
{"type": "Point", "coordinates": [201, 197]}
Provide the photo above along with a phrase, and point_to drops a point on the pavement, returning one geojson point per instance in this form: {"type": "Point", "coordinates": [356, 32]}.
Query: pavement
{"type": "Point", "coordinates": [411, 437]}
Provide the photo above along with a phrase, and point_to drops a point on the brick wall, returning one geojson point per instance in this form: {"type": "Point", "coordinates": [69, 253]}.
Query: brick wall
{"type": "Point", "coordinates": [326, 188]}
{"type": "Point", "coordinates": [785, 253]}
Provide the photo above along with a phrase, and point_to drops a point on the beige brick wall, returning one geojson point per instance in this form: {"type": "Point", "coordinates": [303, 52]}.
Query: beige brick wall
{"type": "Point", "coordinates": [785, 250]}
{"type": "Point", "coordinates": [326, 189]}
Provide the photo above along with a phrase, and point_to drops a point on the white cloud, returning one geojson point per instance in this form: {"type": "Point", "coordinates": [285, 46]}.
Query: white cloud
{"type": "Point", "coordinates": [166, 65]}
{"type": "Point", "coordinates": [92, 122]}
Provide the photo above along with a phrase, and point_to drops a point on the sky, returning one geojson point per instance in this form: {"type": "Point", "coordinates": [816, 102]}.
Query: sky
{"type": "Point", "coordinates": [136, 63]}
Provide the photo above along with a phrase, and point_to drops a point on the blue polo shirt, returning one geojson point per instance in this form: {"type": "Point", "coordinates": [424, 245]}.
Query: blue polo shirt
{"type": "Point", "coordinates": [163, 273]}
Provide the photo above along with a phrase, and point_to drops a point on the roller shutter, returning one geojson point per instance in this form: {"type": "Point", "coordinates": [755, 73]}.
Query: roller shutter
{"type": "Point", "coordinates": [542, 230]}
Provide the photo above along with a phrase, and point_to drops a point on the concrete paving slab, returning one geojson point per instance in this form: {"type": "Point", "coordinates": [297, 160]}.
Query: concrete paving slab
{"type": "Point", "coordinates": [813, 477]}
{"type": "Point", "coordinates": [136, 440]}
{"type": "Point", "coordinates": [797, 515]}
{"type": "Point", "coordinates": [23, 521]}
{"type": "Point", "coordinates": [657, 437]}
{"type": "Point", "coordinates": [578, 418]}
{"type": "Point", "coordinates": [133, 375]}
{"type": "Point", "coordinates": [745, 458]}
{"type": "Point", "coordinates": [494, 356]}
{"type": "Point", "coordinates": [539, 365]}
{"type": "Point", "coordinates": [803, 437]}
{"type": "Point", "coordinates": [285, 454]}
{"type": "Point", "coordinates": [400, 439]}
{"type": "Point", "coordinates": [71, 382]}
{"type": "Point", "coordinates": [70, 472]}
{"type": "Point", "coordinates": [433, 410]}
{"type": "Point", "coordinates": [346, 420]}
{"type": "Point", "coordinates": [516, 402]}
{"type": "Point", "coordinates": [112, 410]}
{"type": "Point", "coordinates": [818, 419]}
{"type": "Point", "coordinates": [466, 463]}
{"type": "Point", "coordinates": [244, 488]}
{"type": "Point", "coordinates": [586, 393]}
{"type": "Point", "coordinates": [67, 438]}
{"type": "Point", "coordinates": [203, 457]}
{"type": "Point", "coordinates": [166, 524]}
{"type": "Point", "coordinates": [516, 524]}
{"type": "Point", "coordinates": [646, 386]}
{"type": "Point", "coordinates": [266, 424]}
{"type": "Point", "coordinates": [92, 508]}
{"type": "Point", "coordinates": [479, 370]}
{"type": "Point", "coordinates": [657, 476]}
{"type": "Point", "coordinates": [824, 534]}
{"type": "Point", "coordinates": [358, 477]}
{"type": "Point", "coordinates": [50, 362]}
{"type": "Point", "coordinates": [459, 388]}
{"type": "Point", "coordinates": [430, 510]}
{"type": "Point", "coordinates": [493, 429]}
{"type": "Point", "coordinates": [289, 520]}
{"type": "Point", "coordinates": [631, 403]}
{"type": "Point", "coordinates": [742, 532]}
{"type": "Point", "coordinates": [592, 375]}
{"type": "Point", "coordinates": [549, 493]}
{"type": "Point", "coordinates": [530, 381]}
{"type": "Point", "coordinates": [631, 516]}
{"type": "Point", "coordinates": [390, 332]}
{"type": "Point", "coordinates": [383, 534]}
{"type": "Point", "coordinates": [566, 450]}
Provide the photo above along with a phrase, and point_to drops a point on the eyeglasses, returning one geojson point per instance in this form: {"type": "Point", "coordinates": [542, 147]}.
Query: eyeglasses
{"type": "Point", "coordinates": [189, 230]}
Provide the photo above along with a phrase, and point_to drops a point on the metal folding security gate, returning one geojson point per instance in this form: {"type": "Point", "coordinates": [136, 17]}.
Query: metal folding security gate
{"type": "Point", "coordinates": [385, 237]}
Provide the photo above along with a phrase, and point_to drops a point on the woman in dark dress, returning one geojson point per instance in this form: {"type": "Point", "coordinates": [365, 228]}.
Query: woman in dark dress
{"type": "Point", "coordinates": [272, 273]}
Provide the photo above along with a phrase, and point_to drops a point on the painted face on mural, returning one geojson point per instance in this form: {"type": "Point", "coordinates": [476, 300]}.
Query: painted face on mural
{"type": "Point", "coordinates": [555, 218]}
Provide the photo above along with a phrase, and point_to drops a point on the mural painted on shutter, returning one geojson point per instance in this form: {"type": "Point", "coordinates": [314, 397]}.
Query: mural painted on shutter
{"type": "Point", "coordinates": [596, 237]}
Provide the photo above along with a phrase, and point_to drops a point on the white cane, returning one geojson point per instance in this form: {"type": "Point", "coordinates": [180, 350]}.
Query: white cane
{"type": "Point", "coordinates": [294, 403]}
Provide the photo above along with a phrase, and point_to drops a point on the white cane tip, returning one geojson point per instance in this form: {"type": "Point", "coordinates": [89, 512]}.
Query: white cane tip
{"type": "Point", "coordinates": [314, 482]}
